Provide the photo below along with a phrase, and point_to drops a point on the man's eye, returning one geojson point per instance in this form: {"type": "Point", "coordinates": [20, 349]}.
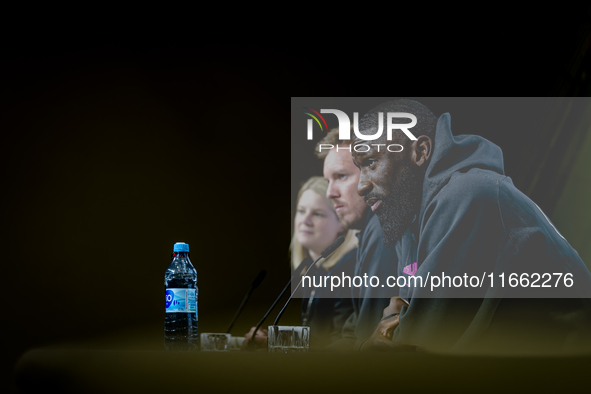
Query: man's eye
{"type": "Point", "coordinates": [342, 176]}
{"type": "Point", "coordinates": [369, 162]}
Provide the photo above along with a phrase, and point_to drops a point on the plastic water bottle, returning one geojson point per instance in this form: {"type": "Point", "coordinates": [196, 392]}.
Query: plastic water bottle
{"type": "Point", "coordinates": [181, 318]}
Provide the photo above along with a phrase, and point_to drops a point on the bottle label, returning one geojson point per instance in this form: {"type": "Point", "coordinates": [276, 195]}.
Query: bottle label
{"type": "Point", "coordinates": [181, 300]}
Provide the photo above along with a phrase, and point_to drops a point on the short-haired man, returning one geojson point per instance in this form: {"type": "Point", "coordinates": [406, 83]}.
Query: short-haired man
{"type": "Point", "coordinates": [373, 259]}
{"type": "Point", "coordinates": [447, 208]}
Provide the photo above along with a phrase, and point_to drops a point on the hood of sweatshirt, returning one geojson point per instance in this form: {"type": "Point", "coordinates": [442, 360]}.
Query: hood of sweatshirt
{"type": "Point", "coordinates": [452, 154]}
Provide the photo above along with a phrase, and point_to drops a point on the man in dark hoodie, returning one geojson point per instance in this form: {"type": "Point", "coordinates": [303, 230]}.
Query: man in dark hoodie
{"type": "Point", "coordinates": [447, 208]}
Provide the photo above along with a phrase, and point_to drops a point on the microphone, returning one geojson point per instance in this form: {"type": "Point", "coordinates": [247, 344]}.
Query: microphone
{"type": "Point", "coordinates": [325, 253]}
{"type": "Point", "coordinates": [257, 281]}
{"type": "Point", "coordinates": [338, 242]}
{"type": "Point", "coordinates": [295, 272]}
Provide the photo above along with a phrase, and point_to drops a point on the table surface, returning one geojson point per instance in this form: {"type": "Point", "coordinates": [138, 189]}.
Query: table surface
{"type": "Point", "coordinates": [117, 371]}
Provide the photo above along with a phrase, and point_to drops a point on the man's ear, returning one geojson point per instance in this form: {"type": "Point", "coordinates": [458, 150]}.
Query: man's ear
{"type": "Point", "coordinates": [421, 150]}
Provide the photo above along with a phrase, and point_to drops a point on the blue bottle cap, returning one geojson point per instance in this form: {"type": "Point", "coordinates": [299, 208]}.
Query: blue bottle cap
{"type": "Point", "coordinates": [180, 247]}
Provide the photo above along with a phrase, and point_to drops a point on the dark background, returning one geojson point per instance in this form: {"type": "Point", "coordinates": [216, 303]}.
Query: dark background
{"type": "Point", "coordinates": [115, 149]}
{"type": "Point", "coordinates": [114, 152]}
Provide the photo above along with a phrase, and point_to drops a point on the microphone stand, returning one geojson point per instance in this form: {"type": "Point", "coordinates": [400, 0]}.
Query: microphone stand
{"type": "Point", "coordinates": [304, 261]}
{"type": "Point", "coordinates": [296, 289]}
{"type": "Point", "coordinates": [254, 285]}
{"type": "Point", "coordinates": [325, 253]}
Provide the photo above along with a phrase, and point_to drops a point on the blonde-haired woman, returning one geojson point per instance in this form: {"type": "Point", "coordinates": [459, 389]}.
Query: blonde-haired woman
{"type": "Point", "coordinates": [316, 226]}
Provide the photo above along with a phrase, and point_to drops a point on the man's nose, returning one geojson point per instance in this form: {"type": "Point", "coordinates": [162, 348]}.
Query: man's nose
{"type": "Point", "coordinates": [363, 187]}
{"type": "Point", "coordinates": [332, 191]}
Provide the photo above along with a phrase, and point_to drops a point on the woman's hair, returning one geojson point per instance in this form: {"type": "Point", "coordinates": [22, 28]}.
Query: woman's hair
{"type": "Point", "coordinates": [320, 185]}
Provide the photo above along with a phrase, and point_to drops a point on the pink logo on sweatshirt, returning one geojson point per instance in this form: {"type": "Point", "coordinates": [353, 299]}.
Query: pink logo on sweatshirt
{"type": "Point", "coordinates": [410, 269]}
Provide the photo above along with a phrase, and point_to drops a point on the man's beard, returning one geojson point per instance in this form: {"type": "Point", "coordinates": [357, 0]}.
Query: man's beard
{"type": "Point", "coordinates": [399, 207]}
{"type": "Point", "coordinates": [352, 222]}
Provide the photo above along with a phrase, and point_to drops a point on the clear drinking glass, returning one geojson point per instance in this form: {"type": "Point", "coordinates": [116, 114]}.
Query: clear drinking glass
{"type": "Point", "coordinates": [288, 339]}
{"type": "Point", "coordinates": [215, 342]}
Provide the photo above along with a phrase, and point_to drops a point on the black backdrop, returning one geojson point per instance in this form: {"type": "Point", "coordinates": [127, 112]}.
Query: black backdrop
{"type": "Point", "coordinates": [112, 154]}
{"type": "Point", "coordinates": [114, 151]}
